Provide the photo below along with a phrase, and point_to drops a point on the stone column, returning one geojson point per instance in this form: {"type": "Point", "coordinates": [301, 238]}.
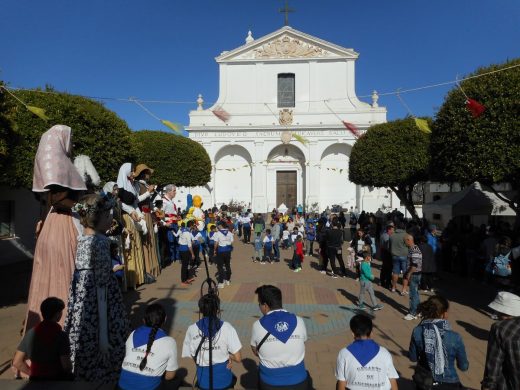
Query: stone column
{"type": "Point", "coordinates": [313, 175]}
{"type": "Point", "coordinates": [259, 172]}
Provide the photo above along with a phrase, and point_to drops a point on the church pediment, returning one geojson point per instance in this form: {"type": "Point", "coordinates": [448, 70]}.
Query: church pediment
{"type": "Point", "coordinates": [286, 43]}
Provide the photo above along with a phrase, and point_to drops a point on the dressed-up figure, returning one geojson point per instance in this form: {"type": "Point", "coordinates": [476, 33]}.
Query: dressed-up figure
{"type": "Point", "coordinates": [132, 220]}
{"type": "Point", "coordinates": [58, 183]}
{"type": "Point", "coordinates": [142, 175]}
{"type": "Point", "coordinates": [97, 322]}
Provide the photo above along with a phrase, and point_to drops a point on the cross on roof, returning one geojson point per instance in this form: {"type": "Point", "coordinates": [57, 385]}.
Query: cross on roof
{"type": "Point", "coordinates": [286, 11]}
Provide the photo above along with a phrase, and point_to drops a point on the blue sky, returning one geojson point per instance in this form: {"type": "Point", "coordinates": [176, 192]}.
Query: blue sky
{"type": "Point", "coordinates": [165, 49]}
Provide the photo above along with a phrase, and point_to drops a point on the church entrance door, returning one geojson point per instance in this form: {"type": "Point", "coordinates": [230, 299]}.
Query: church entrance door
{"type": "Point", "coordinates": [286, 188]}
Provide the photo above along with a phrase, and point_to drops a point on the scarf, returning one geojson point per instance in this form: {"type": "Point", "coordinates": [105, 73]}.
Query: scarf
{"type": "Point", "coordinates": [434, 348]}
{"type": "Point", "coordinates": [364, 350]}
{"type": "Point", "coordinates": [123, 182]}
{"type": "Point", "coordinates": [280, 323]}
{"type": "Point", "coordinates": [52, 164]}
{"type": "Point", "coordinates": [203, 325]}
{"type": "Point", "coordinates": [141, 335]}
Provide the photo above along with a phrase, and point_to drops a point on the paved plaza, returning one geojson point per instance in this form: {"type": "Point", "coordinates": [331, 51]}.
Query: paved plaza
{"type": "Point", "coordinates": [326, 305]}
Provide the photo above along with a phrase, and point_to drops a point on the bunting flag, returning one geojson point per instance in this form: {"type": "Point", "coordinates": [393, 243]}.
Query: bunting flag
{"type": "Point", "coordinates": [177, 127]}
{"type": "Point", "coordinates": [475, 108]}
{"type": "Point", "coordinates": [221, 114]}
{"type": "Point", "coordinates": [422, 124]}
{"type": "Point", "coordinates": [352, 128]}
{"type": "Point", "coordinates": [300, 139]}
{"type": "Point", "coordinates": [39, 112]}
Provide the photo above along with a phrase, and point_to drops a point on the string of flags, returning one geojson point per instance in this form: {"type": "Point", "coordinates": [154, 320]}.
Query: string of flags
{"type": "Point", "coordinates": [473, 106]}
{"type": "Point", "coordinates": [39, 112]}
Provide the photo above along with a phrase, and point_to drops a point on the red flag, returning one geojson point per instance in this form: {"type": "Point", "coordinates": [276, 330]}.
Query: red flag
{"type": "Point", "coordinates": [221, 114]}
{"type": "Point", "coordinates": [352, 128]}
{"type": "Point", "coordinates": [475, 107]}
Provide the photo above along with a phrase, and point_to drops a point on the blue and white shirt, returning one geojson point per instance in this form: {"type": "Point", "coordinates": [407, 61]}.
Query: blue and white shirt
{"type": "Point", "coordinates": [184, 240]}
{"type": "Point", "coordinates": [162, 357]}
{"type": "Point", "coordinates": [224, 239]}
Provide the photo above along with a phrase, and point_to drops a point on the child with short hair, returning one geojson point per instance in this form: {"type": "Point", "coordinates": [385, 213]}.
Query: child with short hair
{"type": "Point", "coordinates": [298, 254]}
{"type": "Point", "coordinates": [365, 282]}
{"type": "Point", "coordinates": [294, 236]}
{"type": "Point", "coordinates": [211, 242]}
{"type": "Point", "coordinates": [268, 246]}
{"type": "Point", "coordinates": [285, 238]}
{"type": "Point", "coordinates": [46, 345]}
{"type": "Point", "coordinates": [364, 361]}
{"type": "Point", "coordinates": [258, 256]}
{"type": "Point", "coordinates": [311, 236]}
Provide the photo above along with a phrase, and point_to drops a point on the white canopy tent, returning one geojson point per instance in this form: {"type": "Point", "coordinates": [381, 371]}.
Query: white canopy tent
{"type": "Point", "coordinates": [471, 201]}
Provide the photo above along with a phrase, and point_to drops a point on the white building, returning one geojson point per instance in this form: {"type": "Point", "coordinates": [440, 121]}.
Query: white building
{"type": "Point", "coordinates": [287, 81]}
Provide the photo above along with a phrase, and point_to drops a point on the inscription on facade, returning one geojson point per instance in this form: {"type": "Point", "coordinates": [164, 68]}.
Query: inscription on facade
{"type": "Point", "coordinates": [263, 134]}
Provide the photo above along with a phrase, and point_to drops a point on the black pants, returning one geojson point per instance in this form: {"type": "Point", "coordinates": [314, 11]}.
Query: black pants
{"type": "Point", "coordinates": [239, 228]}
{"type": "Point", "coordinates": [185, 261]}
{"type": "Point", "coordinates": [333, 254]}
{"type": "Point", "coordinates": [386, 270]}
{"type": "Point", "coordinates": [247, 233]}
{"type": "Point", "coordinates": [224, 262]}
{"type": "Point", "coordinates": [426, 281]}
{"type": "Point", "coordinates": [196, 257]}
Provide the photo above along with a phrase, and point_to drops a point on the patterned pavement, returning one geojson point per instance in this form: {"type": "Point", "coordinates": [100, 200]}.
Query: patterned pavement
{"type": "Point", "coordinates": [326, 305]}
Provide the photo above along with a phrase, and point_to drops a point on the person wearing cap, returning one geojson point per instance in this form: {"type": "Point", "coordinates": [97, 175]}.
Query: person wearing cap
{"type": "Point", "coordinates": [502, 368]}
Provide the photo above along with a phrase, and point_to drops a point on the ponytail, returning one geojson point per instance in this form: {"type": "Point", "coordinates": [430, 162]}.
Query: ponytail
{"type": "Point", "coordinates": [154, 318]}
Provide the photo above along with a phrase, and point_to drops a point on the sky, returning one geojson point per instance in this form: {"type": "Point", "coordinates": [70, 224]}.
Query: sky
{"type": "Point", "coordinates": [165, 49]}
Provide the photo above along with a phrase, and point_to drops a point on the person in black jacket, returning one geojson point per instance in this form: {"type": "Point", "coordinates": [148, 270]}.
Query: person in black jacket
{"type": "Point", "coordinates": [429, 266]}
{"type": "Point", "coordinates": [334, 241]}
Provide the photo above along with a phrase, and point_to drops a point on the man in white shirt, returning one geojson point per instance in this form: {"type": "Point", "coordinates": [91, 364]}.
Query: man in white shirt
{"type": "Point", "coordinates": [364, 364]}
{"type": "Point", "coordinates": [185, 252]}
{"type": "Point", "coordinates": [171, 218]}
{"type": "Point", "coordinates": [223, 247]}
{"type": "Point", "coordinates": [278, 339]}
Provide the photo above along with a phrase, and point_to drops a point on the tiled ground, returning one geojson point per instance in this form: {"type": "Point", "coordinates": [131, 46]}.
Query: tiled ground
{"type": "Point", "coordinates": [326, 305]}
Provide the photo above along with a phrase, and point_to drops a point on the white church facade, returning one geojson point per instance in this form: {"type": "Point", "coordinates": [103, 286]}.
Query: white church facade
{"type": "Point", "coordinates": [285, 83]}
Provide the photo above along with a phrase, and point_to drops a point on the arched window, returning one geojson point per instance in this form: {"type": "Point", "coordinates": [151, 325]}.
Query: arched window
{"type": "Point", "coordinates": [286, 90]}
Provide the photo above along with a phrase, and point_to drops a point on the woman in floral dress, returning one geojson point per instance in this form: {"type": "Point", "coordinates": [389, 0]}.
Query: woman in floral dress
{"type": "Point", "coordinates": [97, 322]}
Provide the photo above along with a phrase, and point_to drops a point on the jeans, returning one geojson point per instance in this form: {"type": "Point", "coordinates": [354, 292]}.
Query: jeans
{"type": "Point", "coordinates": [247, 233]}
{"type": "Point", "coordinates": [415, 280]}
{"type": "Point", "coordinates": [400, 264]}
{"type": "Point", "coordinates": [173, 245]}
{"type": "Point", "coordinates": [365, 285]}
{"type": "Point", "coordinates": [276, 249]}
{"type": "Point", "coordinates": [310, 244]}
{"type": "Point", "coordinates": [224, 261]}
{"type": "Point", "coordinates": [259, 254]}
{"type": "Point", "coordinates": [296, 261]}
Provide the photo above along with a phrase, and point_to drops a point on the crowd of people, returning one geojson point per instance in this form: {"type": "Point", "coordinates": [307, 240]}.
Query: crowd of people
{"type": "Point", "coordinates": [95, 243]}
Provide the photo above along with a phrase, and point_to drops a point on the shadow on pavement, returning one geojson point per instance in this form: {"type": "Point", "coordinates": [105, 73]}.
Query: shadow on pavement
{"type": "Point", "coordinates": [481, 334]}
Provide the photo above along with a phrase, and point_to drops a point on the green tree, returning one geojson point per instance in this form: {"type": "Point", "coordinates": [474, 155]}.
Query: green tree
{"type": "Point", "coordinates": [96, 132]}
{"type": "Point", "coordinates": [486, 148]}
{"type": "Point", "coordinates": [8, 134]}
{"type": "Point", "coordinates": [393, 155]}
{"type": "Point", "coordinates": [175, 159]}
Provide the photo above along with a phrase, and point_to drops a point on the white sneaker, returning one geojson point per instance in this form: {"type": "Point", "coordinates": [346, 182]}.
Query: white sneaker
{"type": "Point", "coordinates": [227, 282]}
{"type": "Point", "coordinates": [323, 272]}
{"type": "Point", "coordinates": [221, 285]}
{"type": "Point", "coordinates": [409, 317]}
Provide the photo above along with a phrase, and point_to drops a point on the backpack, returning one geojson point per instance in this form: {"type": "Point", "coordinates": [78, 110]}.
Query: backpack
{"type": "Point", "coordinates": [500, 265]}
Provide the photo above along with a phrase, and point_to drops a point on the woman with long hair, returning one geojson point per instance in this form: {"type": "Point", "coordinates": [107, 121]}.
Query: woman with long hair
{"type": "Point", "coordinates": [436, 348]}
{"type": "Point", "coordinates": [225, 345]}
{"type": "Point", "coordinates": [150, 353]}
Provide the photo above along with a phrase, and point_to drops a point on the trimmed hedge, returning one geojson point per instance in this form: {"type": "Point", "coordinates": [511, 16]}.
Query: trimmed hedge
{"type": "Point", "coordinates": [176, 159]}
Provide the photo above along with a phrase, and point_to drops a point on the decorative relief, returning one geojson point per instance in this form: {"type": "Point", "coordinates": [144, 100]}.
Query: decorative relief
{"type": "Point", "coordinates": [286, 47]}
{"type": "Point", "coordinates": [286, 117]}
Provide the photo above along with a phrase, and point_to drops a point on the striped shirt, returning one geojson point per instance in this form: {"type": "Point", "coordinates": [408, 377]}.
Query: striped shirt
{"type": "Point", "coordinates": [415, 258]}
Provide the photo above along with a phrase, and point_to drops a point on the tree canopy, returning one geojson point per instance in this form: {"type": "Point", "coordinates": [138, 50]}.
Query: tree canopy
{"type": "Point", "coordinates": [7, 131]}
{"type": "Point", "coordinates": [394, 155]}
{"type": "Point", "coordinates": [96, 132]}
{"type": "Point", "coordinates": [484, 148]}
{"type": "Point", "coordinates": [176, 160]}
